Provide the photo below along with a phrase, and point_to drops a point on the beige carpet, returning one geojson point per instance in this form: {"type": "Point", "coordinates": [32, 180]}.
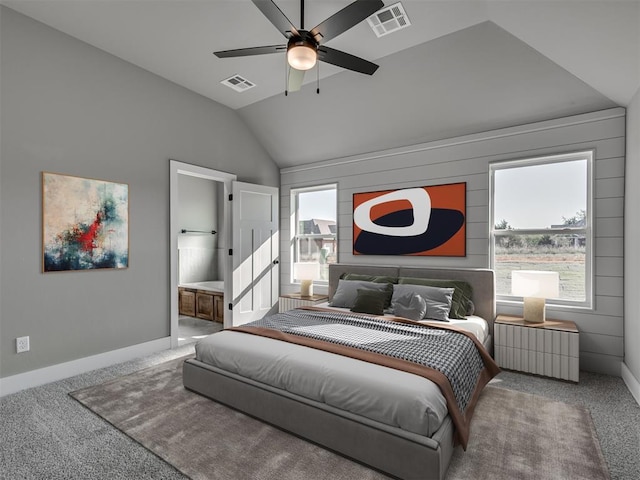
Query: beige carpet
{"type": "Point", "coordinates": [514, 435]}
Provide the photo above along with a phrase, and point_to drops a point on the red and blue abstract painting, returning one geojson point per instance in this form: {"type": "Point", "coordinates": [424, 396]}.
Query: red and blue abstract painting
{"type": "Point", "coordinates": [411, 221]}
{"type": "Point", "coordinates": [85, 223]}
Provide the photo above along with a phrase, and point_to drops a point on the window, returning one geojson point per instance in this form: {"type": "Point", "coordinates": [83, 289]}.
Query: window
{"type": "Point", "coordinates": [541, 220]}
{"type": "Point", "coordinates": [314, 229]}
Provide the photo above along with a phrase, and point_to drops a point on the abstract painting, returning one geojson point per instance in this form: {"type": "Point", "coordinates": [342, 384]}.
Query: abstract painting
{"type": "Point", "coordinates": [85, 223]}
{"type": "Point", "coordinates": [411, 221]}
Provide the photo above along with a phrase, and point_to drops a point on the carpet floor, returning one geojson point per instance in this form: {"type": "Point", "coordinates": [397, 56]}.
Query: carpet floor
{"type": "Point", "coordinates": [45, 434]}
{"type": "Point", "coordinates": [514, 435]}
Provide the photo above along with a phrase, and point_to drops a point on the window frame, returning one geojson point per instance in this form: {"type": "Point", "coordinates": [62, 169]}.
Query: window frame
{"type": "Point", "coordinates": [293, 215]}
{"type": "Point", "coordinates": [587, 230]}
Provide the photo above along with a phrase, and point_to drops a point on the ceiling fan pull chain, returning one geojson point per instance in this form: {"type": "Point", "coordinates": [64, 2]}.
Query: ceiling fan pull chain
{"type": "Point", "coordinates": [286, 76]}
{"type": "Point", "coordinates": [318, 78]}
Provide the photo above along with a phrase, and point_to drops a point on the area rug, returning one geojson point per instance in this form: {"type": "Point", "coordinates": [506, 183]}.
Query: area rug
{"type": "Point", "coordinates": [513, 435]}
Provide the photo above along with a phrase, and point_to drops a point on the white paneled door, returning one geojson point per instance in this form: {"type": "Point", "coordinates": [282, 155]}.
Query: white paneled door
{"type": "Point", "coordinates": [255, 265]}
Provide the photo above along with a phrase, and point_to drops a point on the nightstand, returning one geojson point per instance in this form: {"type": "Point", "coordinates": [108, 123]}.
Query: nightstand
{"type": "Point", "coordinates": [551, 348]}
{"type": "Point", "coordinates": [295, 300]}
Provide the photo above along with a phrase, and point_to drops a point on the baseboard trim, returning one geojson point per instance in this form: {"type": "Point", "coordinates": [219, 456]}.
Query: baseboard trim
{"type": "Point", "coordinates": [632, 383]}
{"type": "Point", "coordinates": [41, 376]}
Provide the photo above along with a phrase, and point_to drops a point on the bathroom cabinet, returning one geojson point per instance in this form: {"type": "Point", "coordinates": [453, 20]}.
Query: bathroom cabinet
{"type": "Point", "coordinates": [201, 303]}
{"type": "Point", "coordinates": [187, 302]}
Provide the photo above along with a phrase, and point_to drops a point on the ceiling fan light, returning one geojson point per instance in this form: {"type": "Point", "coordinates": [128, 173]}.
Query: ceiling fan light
{"type": "Point", "coordinates": [301, 57]}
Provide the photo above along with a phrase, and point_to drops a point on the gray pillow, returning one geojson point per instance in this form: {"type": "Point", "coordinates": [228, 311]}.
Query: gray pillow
{"type": "Point", "coordinates": [347, 292]}
{"type": "Point", "coordinates": [438, 299]}
{"type": "Point", "coordinates": [410, 306]}
{"type": "Point", "coordinates": [462, 294]}
{"type": "Point", "coordinates": [471, 308]}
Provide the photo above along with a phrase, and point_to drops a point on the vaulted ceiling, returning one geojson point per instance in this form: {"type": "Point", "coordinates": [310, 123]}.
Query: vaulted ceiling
{"type": "Point", "coordinates": [461, 67]}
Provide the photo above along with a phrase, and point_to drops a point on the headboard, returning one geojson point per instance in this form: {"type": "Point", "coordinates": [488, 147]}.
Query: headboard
{"type": "Point", "coordinates": [482, 281]}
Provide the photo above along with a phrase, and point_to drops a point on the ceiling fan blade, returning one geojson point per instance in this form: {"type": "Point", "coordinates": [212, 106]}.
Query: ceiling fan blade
{"type": "Point", "coordinates": [245, 52]}
{"type": "Point", "coordinates": [346, 18]}
{"type": "Point", "coordinates": [275, 16]}
{"type": "Point", "coordinates": [294, 82]}
{"type": "Point", "coordinates": [346, 60]}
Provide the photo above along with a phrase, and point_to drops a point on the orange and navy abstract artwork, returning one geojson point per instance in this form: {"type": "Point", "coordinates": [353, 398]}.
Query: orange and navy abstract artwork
{"type": "Point", "coordinates": [85, 223]}
{"type": "Point", "coordinates": [411, 221]}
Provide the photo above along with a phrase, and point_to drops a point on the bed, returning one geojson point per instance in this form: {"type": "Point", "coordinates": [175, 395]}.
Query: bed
{"type": "Point", "coordinates": [369, 423]}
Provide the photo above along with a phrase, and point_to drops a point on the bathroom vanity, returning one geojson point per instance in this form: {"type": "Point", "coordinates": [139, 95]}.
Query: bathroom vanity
{"type": "Point", "coordinates": [201, 303]}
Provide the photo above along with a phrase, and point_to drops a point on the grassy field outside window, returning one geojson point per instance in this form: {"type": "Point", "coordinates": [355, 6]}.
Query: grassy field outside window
{"type": "Point", "coordinates": [569, 262]}
{"type": "Point", "coordinates": [541, 220]}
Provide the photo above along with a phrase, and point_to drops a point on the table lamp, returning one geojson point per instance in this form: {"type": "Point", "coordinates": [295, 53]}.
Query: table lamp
{"type": "Point", "coordinates": [306, 272]}
{"type": "Point", "coordinates": [535, 286]}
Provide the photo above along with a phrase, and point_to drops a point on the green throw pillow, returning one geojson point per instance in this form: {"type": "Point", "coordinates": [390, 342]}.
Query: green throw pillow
{"type": "Point", "coordinates": [461, 295]}
{"type": "Point", "coordinates": [369, 301]}
{"type": "Point", "coordinates": [369, 278]}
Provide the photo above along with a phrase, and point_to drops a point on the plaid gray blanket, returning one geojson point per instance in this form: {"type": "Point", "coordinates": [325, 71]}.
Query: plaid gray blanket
{"type": "Point", "coordinates": [452, 353]}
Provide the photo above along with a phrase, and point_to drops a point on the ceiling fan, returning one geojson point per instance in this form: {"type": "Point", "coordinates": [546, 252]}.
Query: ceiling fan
{"type": "Point", "coordinates": [305, 47]}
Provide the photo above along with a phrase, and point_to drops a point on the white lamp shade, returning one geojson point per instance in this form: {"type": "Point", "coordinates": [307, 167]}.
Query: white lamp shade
{"type": "Point", "coordinates": [306, 271]}
{"type": "Point", "coordinates": [534, 283]}
{"type": "Point", "coordinates": [301, 57]}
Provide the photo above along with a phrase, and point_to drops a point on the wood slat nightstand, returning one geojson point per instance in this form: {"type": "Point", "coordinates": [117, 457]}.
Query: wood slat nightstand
{"type": "Point", "coordinates": [551, 348]}
{"type": "Point", "coordinates": [295, 300]}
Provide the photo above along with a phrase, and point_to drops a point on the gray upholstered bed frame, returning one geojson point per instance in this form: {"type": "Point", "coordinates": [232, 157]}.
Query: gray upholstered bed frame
{"type": "Point", "coordinates": [388, 449]}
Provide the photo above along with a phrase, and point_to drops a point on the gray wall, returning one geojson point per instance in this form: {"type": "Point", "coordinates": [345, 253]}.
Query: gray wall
{"type": "Point", "coordinates": [70, 108]}
{"type": "Point", "coordinates": [632, 241]}
{"type": "Point", "coordinates": [466, 159]}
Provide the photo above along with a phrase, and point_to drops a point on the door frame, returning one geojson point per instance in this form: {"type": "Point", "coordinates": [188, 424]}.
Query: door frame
{"type": "Point", "coordinates": [180, 168]}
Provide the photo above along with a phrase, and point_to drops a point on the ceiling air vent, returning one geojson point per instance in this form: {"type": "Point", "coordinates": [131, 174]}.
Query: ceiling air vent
{"type": "Point", "coordinates": [238, 83]}
{"type": "Point", "coordinates": [389, 19]}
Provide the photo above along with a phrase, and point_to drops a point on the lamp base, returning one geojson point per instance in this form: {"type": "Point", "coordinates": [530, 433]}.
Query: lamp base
{"type": "Point", "coordinates": [534, 310]}
{"type": "Point", "coordinates": [306, 288]}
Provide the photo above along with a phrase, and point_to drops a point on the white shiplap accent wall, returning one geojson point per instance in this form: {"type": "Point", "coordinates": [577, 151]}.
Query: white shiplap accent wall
{"type": "Point", "coordinates": [466, 159]}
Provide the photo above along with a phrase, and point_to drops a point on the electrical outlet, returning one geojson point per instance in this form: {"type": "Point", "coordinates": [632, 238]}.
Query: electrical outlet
{"type": "Point", "coordinates": [22, 344]}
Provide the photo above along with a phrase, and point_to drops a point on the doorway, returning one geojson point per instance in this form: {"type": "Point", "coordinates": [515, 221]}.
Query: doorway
{"type": "Point", "coordinates": [195, 249]}
{"type": "Point", "coordinates": [250, 267]}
